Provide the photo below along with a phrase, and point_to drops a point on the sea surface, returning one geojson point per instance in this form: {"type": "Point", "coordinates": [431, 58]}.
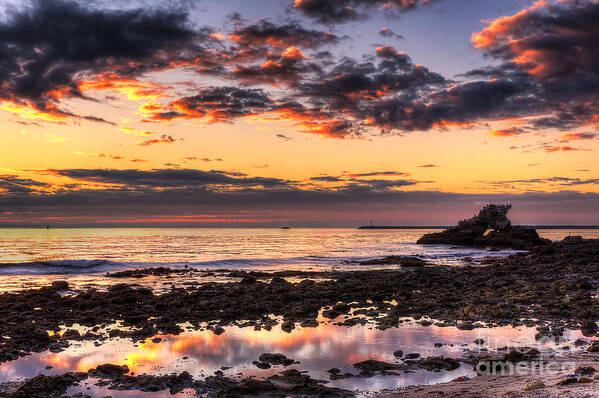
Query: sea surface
{"type": "Point", "coordinates": [33, 257]}
{"type": "Point", "coordinates": [92, 250]}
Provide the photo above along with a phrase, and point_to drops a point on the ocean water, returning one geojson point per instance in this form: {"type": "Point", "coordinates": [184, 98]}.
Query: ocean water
{"type": "Point", "coordinates": [81, 251]}
{"type": "Point", "coordinates": [78, 251]}
{"type": "Point", "coordinates": [30, 258]}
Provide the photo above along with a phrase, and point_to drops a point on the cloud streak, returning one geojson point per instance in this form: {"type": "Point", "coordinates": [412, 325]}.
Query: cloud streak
{"type": "Point", "coordinates": [174, 193]}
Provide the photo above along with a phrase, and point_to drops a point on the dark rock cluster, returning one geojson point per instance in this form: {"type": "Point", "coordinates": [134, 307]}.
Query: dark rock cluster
{"type": "Point", "coordinates": [489, 228]}
{"type": "Point", "coordinates": [292, 383]}
{"type": "Point", "coordinates": [402, 261]}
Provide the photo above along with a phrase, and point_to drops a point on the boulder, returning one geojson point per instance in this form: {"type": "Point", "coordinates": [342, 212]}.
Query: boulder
{"type": "Point", "coordinates": [403, 261]}
{"type": "Point", "coordinates": [276, 359]}
{"type": "Point", "coordinates": [473, 231]}
{"type": "Point", "coordinates": [436, 364]}
{"type": "Point", "coordinates": [109, 371]}
{"type": "Point", "coordinates": [372, 365]}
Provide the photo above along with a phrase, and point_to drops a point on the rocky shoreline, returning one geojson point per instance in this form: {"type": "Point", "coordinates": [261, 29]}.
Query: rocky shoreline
{"type": "Point", "coordinates": [554, 286]}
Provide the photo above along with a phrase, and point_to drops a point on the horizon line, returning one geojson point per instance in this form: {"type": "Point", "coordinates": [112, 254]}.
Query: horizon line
{"type": "Point", "coordinates": [191, 226]}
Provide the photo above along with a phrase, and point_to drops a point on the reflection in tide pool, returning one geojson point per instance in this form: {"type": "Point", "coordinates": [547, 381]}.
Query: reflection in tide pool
{"type": "Point", "coordinates": [201, 353]}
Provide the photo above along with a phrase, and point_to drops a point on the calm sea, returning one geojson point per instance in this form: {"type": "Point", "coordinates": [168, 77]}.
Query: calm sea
{"type": "Point", "coordinates": [77, 251]}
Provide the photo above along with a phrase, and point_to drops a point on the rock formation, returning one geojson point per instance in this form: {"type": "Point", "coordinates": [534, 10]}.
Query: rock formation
{"type": "Point", "coordinates": [473, 231]}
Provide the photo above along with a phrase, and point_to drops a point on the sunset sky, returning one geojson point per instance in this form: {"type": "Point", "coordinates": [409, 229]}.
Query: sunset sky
{"type": "Point", "coordinates": [305, 112]}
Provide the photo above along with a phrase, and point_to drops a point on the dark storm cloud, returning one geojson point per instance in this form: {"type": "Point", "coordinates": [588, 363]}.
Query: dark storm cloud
{"type": "Point", "coordinates": [377, 185]}
{"type": "Point", "coordinates": [548, 41]}
{"type": "Point", "coordinates": [49, 48]}
{"type": "Point", "coordinates": [378, 173]}
{"type": "Point", "coordinates": [172, 178]}
{"type": "Point", "coordinates": [219, 104]}
{"type": "Point", "coordinates": [504, 71]}
{"type": "Point", "coordinates": [482, 98]}
{"type": "Point", "coordinates": [562, 181]}
{"type": "Point", "coordinates": [358, 87]}
{"type": "Point", "coordinates": [327, 179]}
{"type": "Point", "coordinates": [387, 32]}
{"type": "Point", "coordinates": [386, 91]}
{"type": "Point", "coordinates": [265, 32]}
{"type": "Point", "coordinates": [550, 68]}
{"type": "Point", "coordinates": [565, 112]}
{"type": "Point", "coordinates": [460, 104]}
{"type": "Point", "coordinates": [287, 68]}
{"type": "Point", "coordinates": [339, 11]}
{"type": "Point", "coordinates": [43, 49]}
{"type": "Point", "coordinates": [224, 104]}
{"type": "Point", "coordinates": [219, 181]}
{"type": "Point", "coordinates": [554, 46]}
{"type": "Point", "coordinates": [360, 177]}
{"type": "Point", "coordinates": [15, 185]}
{"type": "Point", "coordinates": [327, 11]}
{"type": "Point", "coordinates": [348, 206]}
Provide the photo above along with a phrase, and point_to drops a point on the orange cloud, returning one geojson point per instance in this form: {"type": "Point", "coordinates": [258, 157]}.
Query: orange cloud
{"type": "Point", "coordinates": [132, 89]}
{"type": "Point", "coordinates": [578, 136]}
{"type": "Point", "coordinates": [30, 111]}
{"type": "Point", "coordinates": [547, 40]}
{"type": "Point", "coordinates": [499, 29]}
{"type": "Point", "coordinates": [443, 124]}
{"type": "Point", "coordinates": [564, 148]}
{"type": "Point", "coordinates": [507, 132]}
{"type": "Point", "coordinates": [387, 50]}
{"type": "Point", "coordinates": [164, 139]}
{"type": "Point", "coordinates": [312, 122]}
{"type": "Point", "coordinates": [100, 155]}
{"type": "Point", "coordinates": [130, 130]}
{"type": "Point", "coordinates": [293, 53]}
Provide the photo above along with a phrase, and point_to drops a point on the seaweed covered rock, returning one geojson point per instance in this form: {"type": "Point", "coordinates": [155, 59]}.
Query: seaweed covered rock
{"type": "Point", "coordinates": [473, 231]}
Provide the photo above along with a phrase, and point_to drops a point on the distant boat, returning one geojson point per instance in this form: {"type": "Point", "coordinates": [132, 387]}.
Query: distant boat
{"type": "Point", "coordinates": [285, 227]}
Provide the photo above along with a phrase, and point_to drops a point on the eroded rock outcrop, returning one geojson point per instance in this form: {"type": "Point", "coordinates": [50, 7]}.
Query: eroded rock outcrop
{"type": "Point", "coordinates": [491, 227]}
